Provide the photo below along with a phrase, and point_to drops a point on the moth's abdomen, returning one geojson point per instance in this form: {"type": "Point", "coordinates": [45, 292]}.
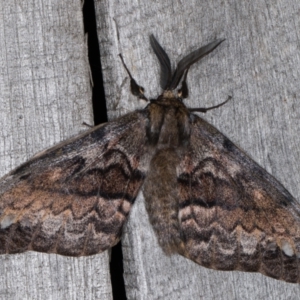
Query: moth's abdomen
{"type": "Point", "coordinates": [161, 196]}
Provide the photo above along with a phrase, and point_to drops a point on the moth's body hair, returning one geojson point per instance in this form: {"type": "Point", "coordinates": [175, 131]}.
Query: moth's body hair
{"type": "Point", "coordinates": [206, 199]}
{"type": "Point", "coordinates": [169, 133]}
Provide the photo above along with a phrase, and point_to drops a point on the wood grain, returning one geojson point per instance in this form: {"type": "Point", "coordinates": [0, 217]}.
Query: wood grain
{"type": "Point", "coordinates": [45, 96]}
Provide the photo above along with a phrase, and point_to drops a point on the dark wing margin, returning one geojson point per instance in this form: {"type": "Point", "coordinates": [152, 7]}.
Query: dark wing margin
{"type": "Point", "coordinates": [74, 198]}
{"type": "Point", "coordinates": [233, 214]}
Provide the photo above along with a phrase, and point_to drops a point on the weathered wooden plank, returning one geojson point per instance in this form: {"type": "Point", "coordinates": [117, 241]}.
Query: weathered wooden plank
{"type": "Point", "coordinates": [45, 96]}
{"type": "Point", "coordinates": [258, 65]}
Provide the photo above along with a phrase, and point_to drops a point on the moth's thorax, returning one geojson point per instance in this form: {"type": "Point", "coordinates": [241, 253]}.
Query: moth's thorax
{"type": "Point", "coordinates": [169, 121]}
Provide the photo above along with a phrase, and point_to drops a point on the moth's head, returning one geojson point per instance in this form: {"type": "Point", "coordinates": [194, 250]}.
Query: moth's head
{"type": "Point", "coordinates": [169, 80]}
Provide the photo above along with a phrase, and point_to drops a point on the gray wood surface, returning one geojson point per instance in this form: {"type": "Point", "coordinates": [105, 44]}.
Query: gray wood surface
{"type": "Point", "coordinates": [259, 65]}
{"type": "Point", "coordinates": [45, 95]}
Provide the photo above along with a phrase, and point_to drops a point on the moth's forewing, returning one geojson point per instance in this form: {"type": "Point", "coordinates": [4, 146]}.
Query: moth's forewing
{"type": "Point", "coordinates": [233, 214]}
{"type": "Point", "coordinates": [74, 198]}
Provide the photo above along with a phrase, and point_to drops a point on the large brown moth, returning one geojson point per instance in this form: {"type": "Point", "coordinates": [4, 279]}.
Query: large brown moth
{"type": "Point", "coordinates": [206, 199]}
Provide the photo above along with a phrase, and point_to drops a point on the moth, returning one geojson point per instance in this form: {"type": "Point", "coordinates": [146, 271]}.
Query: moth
{"type": "Point", "coordinates": [206, 199]}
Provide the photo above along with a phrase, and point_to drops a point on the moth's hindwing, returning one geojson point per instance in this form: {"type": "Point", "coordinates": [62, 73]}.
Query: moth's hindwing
{"type": "Point", "coordinates": [73, 199]}
{"type": "Point", "coordinates": [233, 214]}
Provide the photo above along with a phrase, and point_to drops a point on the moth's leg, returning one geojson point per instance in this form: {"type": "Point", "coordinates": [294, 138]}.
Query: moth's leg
{"type": "Point", "coordinates": [87, 125]}
{"type": "Point", "coordinates": [135, 89]}
{"type": "Point", "coordinates": [204, 110]}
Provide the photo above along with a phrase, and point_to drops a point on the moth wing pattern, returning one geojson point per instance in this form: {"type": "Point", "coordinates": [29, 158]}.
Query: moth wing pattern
{"type": "Point", "coordinates": [233, 214]}
{"type": "Point", "coordinates": [74, 198]}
